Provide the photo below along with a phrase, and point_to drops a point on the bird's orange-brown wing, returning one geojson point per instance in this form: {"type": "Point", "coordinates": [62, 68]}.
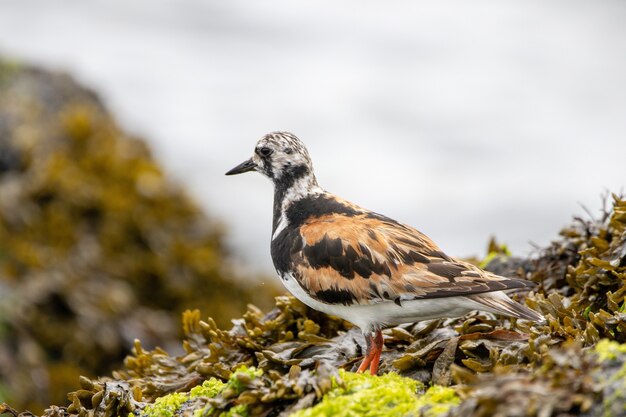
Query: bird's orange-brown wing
{"type": "Point", "coordinates": [368, 258]}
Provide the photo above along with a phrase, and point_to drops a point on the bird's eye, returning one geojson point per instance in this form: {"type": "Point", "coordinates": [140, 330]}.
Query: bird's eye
{"type": "Point", "coordinates": [264, 151]}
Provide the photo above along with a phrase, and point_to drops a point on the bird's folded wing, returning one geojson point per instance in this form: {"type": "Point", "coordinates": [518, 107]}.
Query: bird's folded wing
{"type": "Point", "coordinates": [368, 258]}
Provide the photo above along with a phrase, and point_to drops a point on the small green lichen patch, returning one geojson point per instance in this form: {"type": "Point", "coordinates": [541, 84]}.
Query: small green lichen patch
{"type": "Point", "coordinates": [494, 251]}
{"type": "Point", "coordinates": [209, 388]}
{"type": "Point", "coordinates": [609, 349]}
{"type": "Point", "coordinates": [237, 411]}
{"type": "Point", "coordinates": [166, 406]}
{"type": "Point", "coordinates": [437, 400]}
{"type": "Point", "coordinates": [387, 395]}
{"type": "Point", "coordinates": [611, 376]}
{"type": "Point", "coordinates": [242, 377]}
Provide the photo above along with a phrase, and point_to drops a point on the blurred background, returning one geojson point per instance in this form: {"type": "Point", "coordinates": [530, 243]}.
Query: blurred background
{"type": "Point", "coordinates": [465, 120]}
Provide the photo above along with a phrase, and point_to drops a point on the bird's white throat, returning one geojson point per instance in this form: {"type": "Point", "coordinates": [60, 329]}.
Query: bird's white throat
{"type": "Point", "coordinates": [302, 187]}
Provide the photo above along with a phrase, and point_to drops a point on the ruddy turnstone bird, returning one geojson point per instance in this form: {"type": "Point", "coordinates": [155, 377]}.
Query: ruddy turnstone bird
{"type": "Point", "coordinates": [373, 271]}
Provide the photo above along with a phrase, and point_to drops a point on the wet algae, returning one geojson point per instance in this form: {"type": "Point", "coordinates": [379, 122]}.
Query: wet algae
{"type": "Point", "coordinates": [292, 360]}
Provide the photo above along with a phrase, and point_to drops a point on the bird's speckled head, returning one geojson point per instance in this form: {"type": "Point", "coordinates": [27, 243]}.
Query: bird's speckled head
{"type": "Point", "coordinates": [280, 156]}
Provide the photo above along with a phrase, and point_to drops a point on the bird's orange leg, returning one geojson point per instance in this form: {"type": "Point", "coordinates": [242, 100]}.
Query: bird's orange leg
{"type": "Point", "coordinates": [376, 352]}
{"type": "Point", "coordinates": [367, 359]}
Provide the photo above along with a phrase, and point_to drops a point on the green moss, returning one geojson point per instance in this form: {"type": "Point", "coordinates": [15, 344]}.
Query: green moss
{"type": "Point", "coordinates": [209, 388]}
{"type": "Point", "coordinates": [241, 376]}
{"type": "Point", "coordinates": [237, 411]}
{"type": "Point", "coordinates": [386, 395]}
{"type": "Point", "coordinates": [609, 349]}
{"type": "Point", "coordinates": [166, 406]}
{"type": "Point", "coordinates": [437, 400]}
{"type": "Point", "coordinates": [493, 251]}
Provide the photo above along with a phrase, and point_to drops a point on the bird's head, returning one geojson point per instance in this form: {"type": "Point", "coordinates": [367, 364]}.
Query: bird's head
{"type": "Point", "coordinates": [280, 156]}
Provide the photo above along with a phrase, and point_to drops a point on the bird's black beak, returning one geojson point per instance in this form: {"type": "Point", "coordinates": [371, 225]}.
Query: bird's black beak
{"type": "Point", "coordinates": [245, 166]}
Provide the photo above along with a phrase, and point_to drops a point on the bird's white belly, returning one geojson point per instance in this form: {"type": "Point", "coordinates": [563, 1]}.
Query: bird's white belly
{"type": "Point", "coordinates": [388, 313]}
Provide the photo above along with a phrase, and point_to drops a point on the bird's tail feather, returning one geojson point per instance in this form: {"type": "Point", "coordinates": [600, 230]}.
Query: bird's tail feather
{"type": "Point", "coordinates": [500, 303]}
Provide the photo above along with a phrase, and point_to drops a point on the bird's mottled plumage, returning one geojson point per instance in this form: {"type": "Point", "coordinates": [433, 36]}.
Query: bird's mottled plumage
{"type": "Point", "coordinates": [369, 269]}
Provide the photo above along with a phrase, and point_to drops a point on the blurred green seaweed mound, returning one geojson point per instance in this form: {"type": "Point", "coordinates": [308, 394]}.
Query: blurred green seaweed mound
{"type": "Point", "coordinates": [295, 361]}
{"type": "Point", "coordinates": [97, 247]}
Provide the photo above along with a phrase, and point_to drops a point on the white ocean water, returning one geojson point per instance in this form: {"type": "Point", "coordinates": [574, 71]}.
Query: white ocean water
{"type": "Point", "coordinates": [464, 119]}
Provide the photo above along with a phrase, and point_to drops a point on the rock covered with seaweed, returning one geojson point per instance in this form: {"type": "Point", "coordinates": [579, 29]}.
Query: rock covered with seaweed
{"type": "Point", "coordinates": [296, 361]}
{"type": "Point", "coordinates": [97, 247]}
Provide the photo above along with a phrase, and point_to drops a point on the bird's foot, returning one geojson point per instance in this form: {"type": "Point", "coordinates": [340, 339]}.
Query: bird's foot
{"type": "Point", "coordinates": [372, 354]}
